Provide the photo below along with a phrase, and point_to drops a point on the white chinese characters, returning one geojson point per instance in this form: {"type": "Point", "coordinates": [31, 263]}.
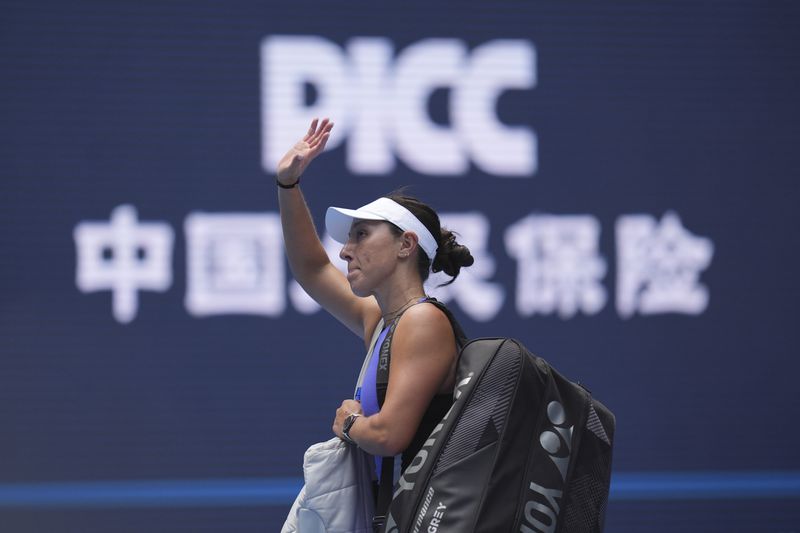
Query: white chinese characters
{"type": "Point", "coordinates": [559, 267]}
{"type": "Point", "coordinates": [235, 264]}
{"type": "Point", "coordinates": [124, 256]}
{"type": "Point", "coordinates": [659, 265]}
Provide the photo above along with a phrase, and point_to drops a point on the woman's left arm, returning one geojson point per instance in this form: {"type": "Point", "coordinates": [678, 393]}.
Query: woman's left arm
{"type": "Point", "coordinates": [423, 364]}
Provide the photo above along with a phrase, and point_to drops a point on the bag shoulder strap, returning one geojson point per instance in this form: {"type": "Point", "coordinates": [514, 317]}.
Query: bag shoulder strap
{"type": "Point", "coordinates": [461, 337]}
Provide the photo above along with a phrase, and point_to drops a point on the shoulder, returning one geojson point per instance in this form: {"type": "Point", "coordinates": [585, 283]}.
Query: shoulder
{"type": "Point", "coordinates": [424, 348]}
{"type": "Point", "coordinates": [425, 323]}
{"type": "Point", "coordinates": [425, 312]}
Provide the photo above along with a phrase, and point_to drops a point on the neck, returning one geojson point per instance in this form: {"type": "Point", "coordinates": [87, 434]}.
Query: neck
{"type": "Point", "coordinates": [394, 302]}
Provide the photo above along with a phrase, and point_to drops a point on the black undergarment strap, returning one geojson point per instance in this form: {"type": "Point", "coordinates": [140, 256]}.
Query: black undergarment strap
{"type": "Point", "coordinates": [382, 373]}
{"type": "Point", "coordinates": [386, 484]}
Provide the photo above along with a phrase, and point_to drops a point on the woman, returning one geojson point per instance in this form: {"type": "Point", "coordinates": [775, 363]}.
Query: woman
{"type": "Point", "coordinates": [390, 246]}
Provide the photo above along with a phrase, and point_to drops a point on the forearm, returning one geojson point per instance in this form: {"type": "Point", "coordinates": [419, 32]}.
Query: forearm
{"type": "Point", "coordinates": [372, 435]}
{"type": "Point", "coordinates": [303, 247]}
{"type": "Point", "coordinates": [306, 254]}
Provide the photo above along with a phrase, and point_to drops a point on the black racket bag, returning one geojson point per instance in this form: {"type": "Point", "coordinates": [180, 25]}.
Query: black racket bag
{"type": "Point", "coordinates": [522, 449]}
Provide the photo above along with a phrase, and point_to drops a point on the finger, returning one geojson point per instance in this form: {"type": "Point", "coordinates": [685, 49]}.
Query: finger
{"type": "Point", "coordinates": [319, 146]}
{"type": "Point", "coordinates": [351, 406]}
{"type": "Point", "coordinates": [323, 133]}
{"type": "Point", "coordinates": [311, 130]}
{"type": "Point", "coordinates": [322, 127]}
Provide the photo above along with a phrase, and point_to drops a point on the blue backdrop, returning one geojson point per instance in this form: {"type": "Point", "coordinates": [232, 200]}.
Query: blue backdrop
{"type": "Point", "coordinates": [625, 173]}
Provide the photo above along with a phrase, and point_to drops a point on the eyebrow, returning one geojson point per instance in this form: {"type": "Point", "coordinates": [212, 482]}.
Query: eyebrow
{"type": "Point", "coordinates": [361, 223]}
{"type": "Point", "coordinates": [355, 226]}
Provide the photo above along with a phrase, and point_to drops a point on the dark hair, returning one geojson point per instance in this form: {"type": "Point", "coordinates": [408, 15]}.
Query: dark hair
{"type": "Point", "coordinates": [450, 255]}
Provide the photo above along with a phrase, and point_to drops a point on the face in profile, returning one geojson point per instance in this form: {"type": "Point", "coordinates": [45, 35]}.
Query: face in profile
{"type": "Point", "coordinates": [371, 253]}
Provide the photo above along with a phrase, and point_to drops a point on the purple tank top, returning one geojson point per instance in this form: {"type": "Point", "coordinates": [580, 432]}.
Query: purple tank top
{"type": "Point", "coordinates": [369, 394]}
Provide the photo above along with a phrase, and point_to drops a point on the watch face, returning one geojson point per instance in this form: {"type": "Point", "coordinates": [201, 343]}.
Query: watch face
{"type": "Point", "coordinates": [348, 423]}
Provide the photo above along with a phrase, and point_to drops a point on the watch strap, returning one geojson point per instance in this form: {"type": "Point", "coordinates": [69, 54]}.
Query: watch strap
{"type": "Point", "coordinates": [347, 425]}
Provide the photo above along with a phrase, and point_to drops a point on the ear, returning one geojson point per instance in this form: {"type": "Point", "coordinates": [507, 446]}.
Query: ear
{"type": "Point", "coordinates": [408, 243]}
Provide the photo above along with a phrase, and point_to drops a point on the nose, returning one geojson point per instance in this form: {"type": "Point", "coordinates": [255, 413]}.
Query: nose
{"type": "Point", "coordinates": [344, 253]}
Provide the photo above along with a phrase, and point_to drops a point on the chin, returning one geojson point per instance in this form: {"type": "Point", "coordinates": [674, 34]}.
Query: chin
{"type": "Point", "coordinates": [361, 294]}
{"type": "Point", "coordinates": [359, 291]}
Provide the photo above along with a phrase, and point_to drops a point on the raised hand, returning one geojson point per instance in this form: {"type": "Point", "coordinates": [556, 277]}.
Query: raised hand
{"type": "Point", "coordinates": [292, 165]}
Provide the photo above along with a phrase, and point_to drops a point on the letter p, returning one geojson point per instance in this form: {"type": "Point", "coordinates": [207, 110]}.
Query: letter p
{"type": "Point", "coordinates": [288, 63]}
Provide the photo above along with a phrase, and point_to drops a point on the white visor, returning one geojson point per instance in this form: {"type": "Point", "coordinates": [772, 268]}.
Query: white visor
{"type": "Point", "coordinates": [338, 221]}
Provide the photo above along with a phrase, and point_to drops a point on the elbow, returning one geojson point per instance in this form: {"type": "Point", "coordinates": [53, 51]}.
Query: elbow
{"type": "Point", "coordinates": [392, 448]}
{"type": "Point", "coordinates": [388, 442]}
{"type": "Point", "coordinates": [394, 443]}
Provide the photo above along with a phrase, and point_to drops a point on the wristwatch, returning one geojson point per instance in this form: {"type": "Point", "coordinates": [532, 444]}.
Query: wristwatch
{"type": "Point", "coordinates": [347, 425]}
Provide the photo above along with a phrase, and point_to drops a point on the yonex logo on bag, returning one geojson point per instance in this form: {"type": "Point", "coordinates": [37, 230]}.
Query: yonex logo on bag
{"type": "Point", "coordinates": [557, 441]}
{"type": "Point", "coordinates": [541, 510]}
{"type": "Point", "coordinates": [408, 478]}
{"type": "Point", "coordinates": [547, 511]}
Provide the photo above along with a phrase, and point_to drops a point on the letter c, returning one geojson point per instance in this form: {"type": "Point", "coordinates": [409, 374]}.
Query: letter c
{"type": "Point", "coordinates": [494, 67]}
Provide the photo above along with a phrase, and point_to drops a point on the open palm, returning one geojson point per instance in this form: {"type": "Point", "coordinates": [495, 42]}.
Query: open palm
{"type": "Point", "coordinates": [292, 165]}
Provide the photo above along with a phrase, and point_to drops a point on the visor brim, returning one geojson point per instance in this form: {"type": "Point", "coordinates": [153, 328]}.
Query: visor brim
{"type": "Point", "coordinates": [338, 221]}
